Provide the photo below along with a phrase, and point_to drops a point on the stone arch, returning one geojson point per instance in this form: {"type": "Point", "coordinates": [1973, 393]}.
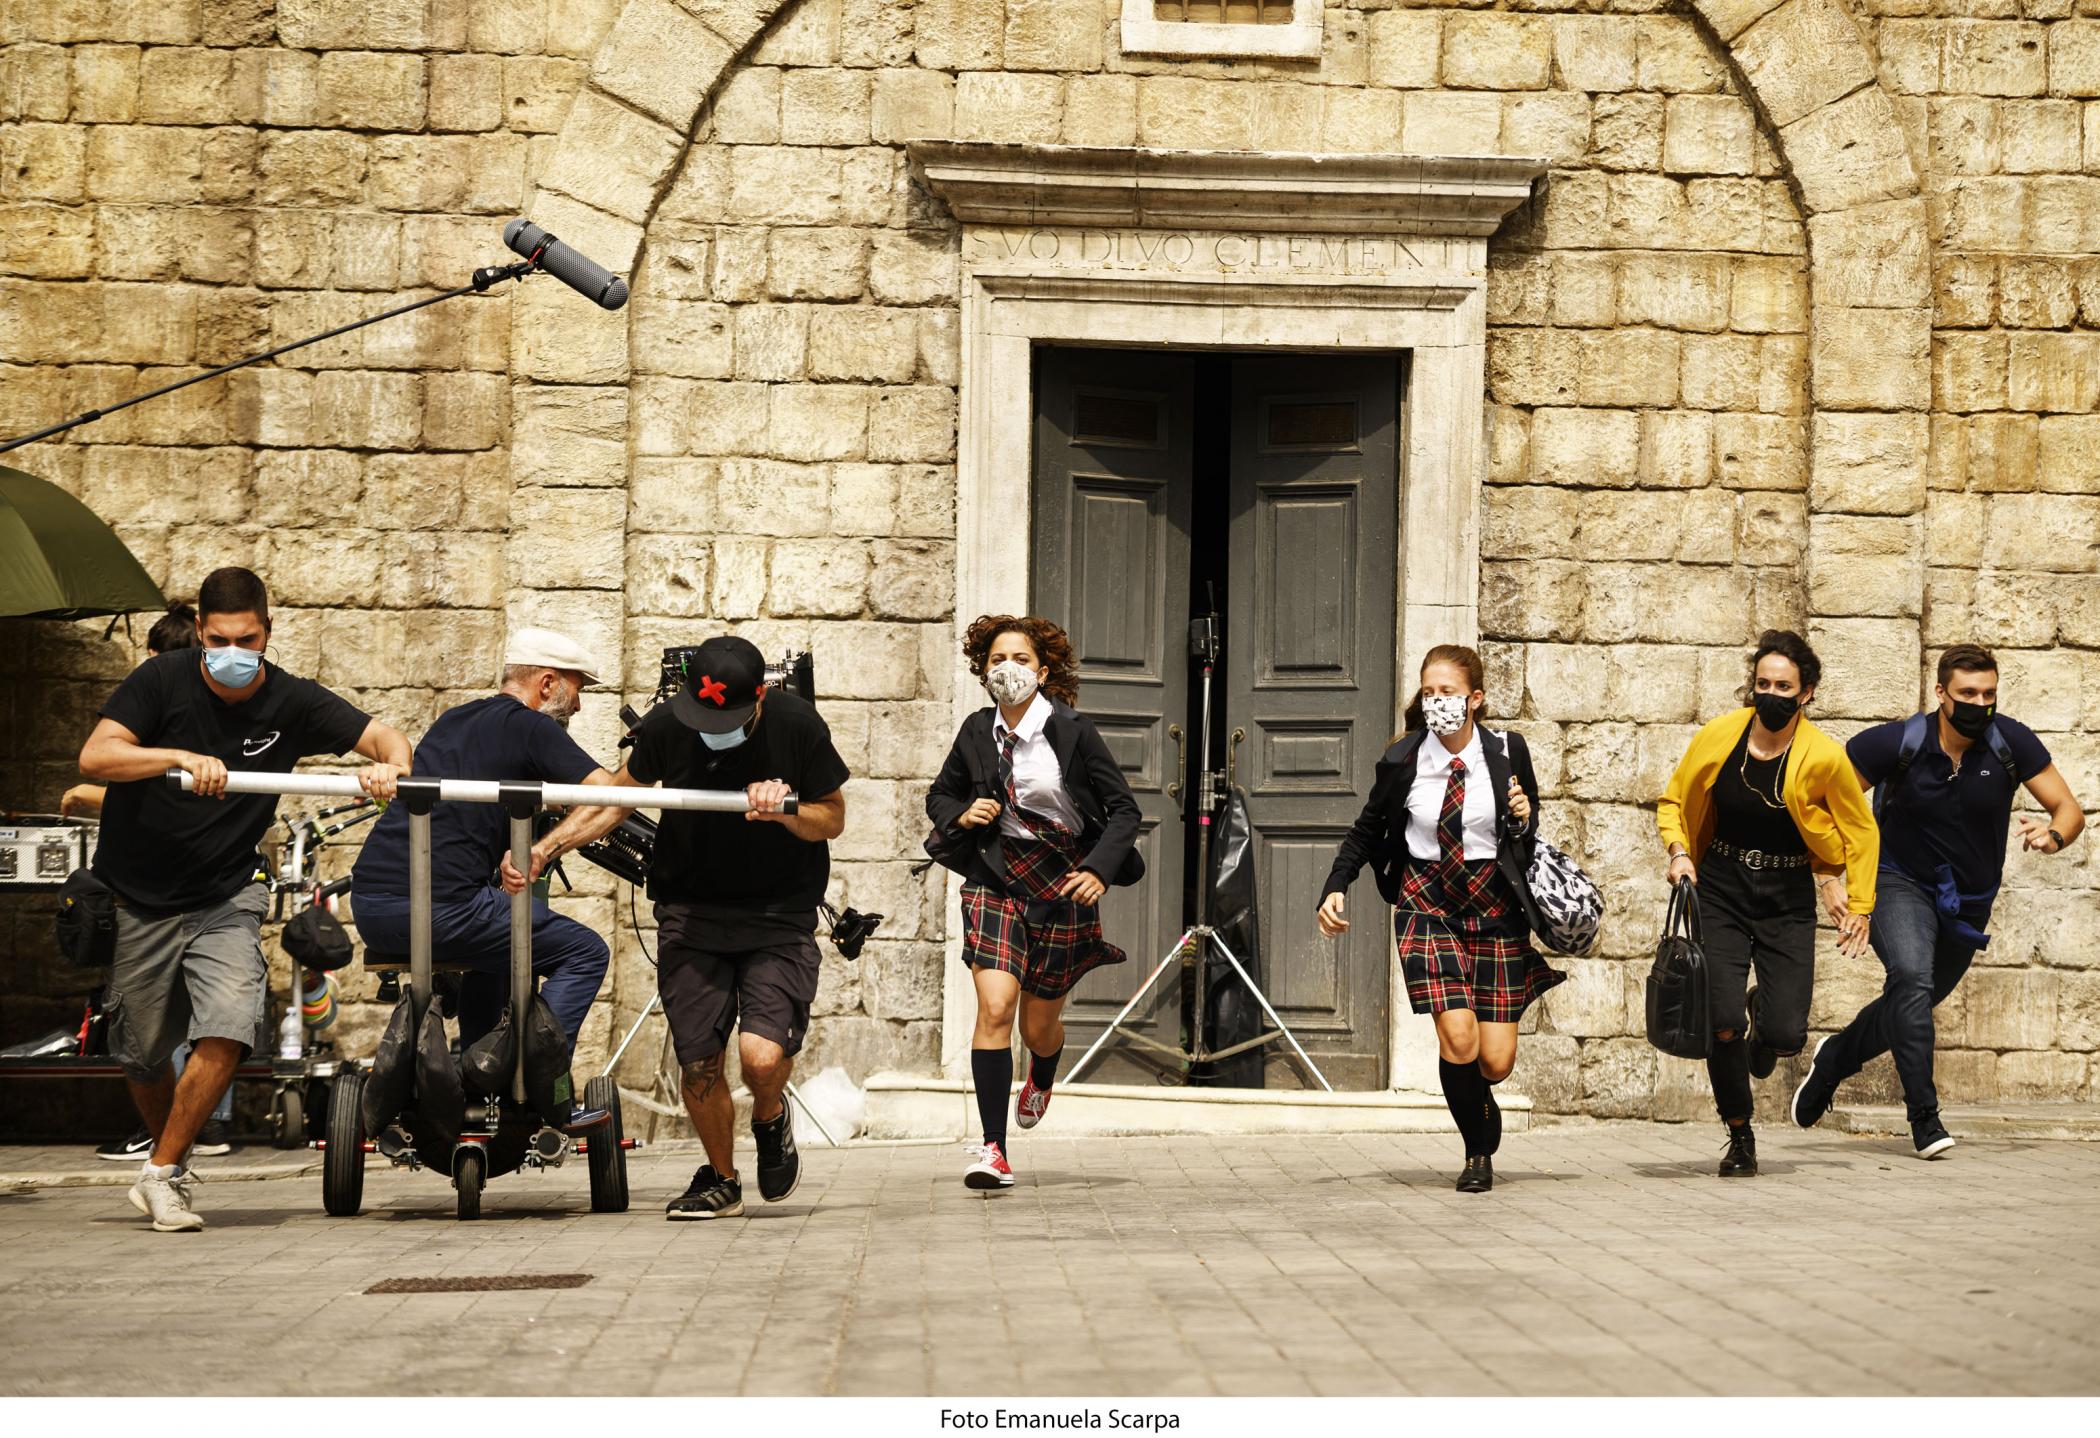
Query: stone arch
{"type": "Point", "coordinates": [1806, 66]}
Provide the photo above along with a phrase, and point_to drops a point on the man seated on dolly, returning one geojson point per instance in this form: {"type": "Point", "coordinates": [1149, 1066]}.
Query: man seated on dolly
{"type": "Point", "coordinates": [518, 735]}
{"type": "Point", "coordinates": [188, 962]}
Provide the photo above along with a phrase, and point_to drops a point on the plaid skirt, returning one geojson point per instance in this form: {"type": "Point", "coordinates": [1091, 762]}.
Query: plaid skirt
{"type": "Point", "coordinates": [1047, 943]}
{"type": "Point", "coordinates": [1449, 962]}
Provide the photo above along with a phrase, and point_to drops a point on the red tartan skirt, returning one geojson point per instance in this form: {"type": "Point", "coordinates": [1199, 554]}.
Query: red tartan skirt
{"type": "Point", "coordinates": [1048, 944]}
{"type": "Point", "coordinates": [1449, 963]}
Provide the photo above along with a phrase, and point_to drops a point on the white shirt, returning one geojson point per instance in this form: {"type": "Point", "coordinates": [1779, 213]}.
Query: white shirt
{"type": "Point", "coordinates": [1425, 798]}
{"type": "Point", "coordinates": [1038, 781]}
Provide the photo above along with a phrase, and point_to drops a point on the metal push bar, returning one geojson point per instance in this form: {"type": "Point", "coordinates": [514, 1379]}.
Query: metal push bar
{"type": "Point", "coordinates": [520, 801]}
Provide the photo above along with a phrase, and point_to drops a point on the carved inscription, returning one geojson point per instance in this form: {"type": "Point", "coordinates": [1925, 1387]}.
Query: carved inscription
{"type": "Point", "coordinates": [1221, 250]}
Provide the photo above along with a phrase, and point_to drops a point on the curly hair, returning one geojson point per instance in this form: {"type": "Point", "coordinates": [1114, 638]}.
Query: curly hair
{"type": "Point", "coordinates": [1051, 643]}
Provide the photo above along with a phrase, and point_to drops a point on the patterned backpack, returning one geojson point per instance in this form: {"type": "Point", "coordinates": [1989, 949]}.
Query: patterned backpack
{"type": "Point", "coordinates": [1566, 899]}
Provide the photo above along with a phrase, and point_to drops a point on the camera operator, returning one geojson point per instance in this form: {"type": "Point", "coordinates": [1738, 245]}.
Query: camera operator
{"type": "Point", "coordinates": [514, 734]}
{"type": "Point", "coordinates": [736, 900]}
{"type": "Point", "coordinates": [188, 958]}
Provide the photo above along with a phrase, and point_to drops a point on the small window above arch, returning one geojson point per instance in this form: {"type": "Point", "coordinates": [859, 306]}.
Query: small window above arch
{"type": "Point", "coordinates": [1223, 29]}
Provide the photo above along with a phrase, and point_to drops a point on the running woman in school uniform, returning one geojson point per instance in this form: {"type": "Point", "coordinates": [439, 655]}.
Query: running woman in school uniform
{"type": "Point", "coordinates": [1449, 830]}
{"type": "Point", "coordinates": [1944, 784]}
{"type": "Point", "coordinates": [1762, 812]}
{"type": "Point", "coordinates": [1048, 823]}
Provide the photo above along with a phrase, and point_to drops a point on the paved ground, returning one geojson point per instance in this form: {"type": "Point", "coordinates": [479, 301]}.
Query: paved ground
{"type": "Point", "coordinates": [1607, 1260]}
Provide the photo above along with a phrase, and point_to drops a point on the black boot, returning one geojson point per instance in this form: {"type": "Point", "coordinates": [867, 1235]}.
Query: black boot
{"type": "Point", "coordinates": [1740, 1161]}
{"type": "Point", "coordinates": [1479, 1174]}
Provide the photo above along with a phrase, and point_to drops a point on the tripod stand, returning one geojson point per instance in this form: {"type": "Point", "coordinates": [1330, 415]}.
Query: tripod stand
{"type": "Point", "coordinates": [1200, 937]}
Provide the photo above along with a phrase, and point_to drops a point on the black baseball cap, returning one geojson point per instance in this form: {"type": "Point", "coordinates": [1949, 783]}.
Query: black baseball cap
{"type": "Point", "coordinates": [722, 681]}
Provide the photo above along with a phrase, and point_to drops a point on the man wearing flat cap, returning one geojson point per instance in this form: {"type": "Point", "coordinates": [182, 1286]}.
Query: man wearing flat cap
{"type": "Point", "coordinates": [517, 735]}
{"type": "Point", "coordinates": [736, 900]}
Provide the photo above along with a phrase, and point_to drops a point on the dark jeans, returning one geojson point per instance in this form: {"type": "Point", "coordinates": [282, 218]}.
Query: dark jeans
{"type": "Point", "coordinates": [1761, 920]}
{"type": "Point", "coordinates": [568, 958]}
{"type": "Point", "coordinates": [1923, 965]}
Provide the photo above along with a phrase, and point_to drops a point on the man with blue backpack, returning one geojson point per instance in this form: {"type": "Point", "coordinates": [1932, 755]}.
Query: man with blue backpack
{"type": "Point", "coordinates": [1944, 783]}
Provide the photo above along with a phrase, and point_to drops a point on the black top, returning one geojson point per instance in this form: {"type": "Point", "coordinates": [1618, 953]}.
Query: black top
{"type": "Point", "coordinates": [1750, 802]}
{"type": "Point", "coordinates": [164, 849]}
{"type": "Point", "coordinates": [499, 737]}
{"type": "Point", "coordinates": [1940, 815]}
{"type": "Point", "coordinates": [743, 866]}
{"type": "Point", "coordinates": [1093, 780]}
{"type": "Point", "coordinates": [1379, 835]}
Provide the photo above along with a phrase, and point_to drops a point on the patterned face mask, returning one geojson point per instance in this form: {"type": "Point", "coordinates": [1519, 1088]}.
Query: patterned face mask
{"type": "Point", "coordinates": [1444, 713]}
{"type": "Point", "coordinates": [1010, 682]}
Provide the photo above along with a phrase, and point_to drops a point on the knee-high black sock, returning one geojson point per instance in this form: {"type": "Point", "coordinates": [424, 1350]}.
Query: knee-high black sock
{"type": "Point", "coordinates": [1465, 1094]}
{"type": "Point", "coordinates": [1493, 1117]}
{"type": "Point", "coordinates": [1042, 1068]}
{"type": "Point", "coordinates": [993, 1070]}
{"type": "Point", "coordinates": [1728, 1066]}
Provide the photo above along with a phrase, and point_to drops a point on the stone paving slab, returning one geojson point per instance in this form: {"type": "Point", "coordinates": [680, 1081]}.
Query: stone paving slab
{"type": "Point", "coordinates": [1608, 1259]}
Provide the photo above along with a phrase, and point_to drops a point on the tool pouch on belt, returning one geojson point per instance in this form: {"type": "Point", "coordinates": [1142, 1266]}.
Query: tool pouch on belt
{"type": "Point", "coordinates": [393, 1076]}
{"type": "Point", "coordinates": [87, 922]}
{"type": "Point", "coordinates": [487, 1064]}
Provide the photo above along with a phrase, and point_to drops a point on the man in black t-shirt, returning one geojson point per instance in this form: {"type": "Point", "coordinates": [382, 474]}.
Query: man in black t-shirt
{"type": "Point", "coordinates": [189, 960]}
{"type": "Point", "coordinates": [514, 734]}
{"type": "Point", "coordinates": [1945, 783]}
{"type": "Point", "coordinates": [736, 900]}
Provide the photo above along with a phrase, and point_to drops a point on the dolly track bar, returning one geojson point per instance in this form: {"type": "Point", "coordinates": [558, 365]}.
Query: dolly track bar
{"type": "Point", "coordinates": [487, 791]}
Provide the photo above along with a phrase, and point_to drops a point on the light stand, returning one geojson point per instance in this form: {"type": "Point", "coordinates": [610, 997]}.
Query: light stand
{"type": "Point", "coordinates": [484, 279]}
{"type": "Point", "coordinates": [1212, 787]}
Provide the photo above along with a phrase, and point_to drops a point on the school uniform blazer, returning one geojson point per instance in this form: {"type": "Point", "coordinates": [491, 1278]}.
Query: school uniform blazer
{"type": "Point", "coordinates": [1379, 835]}
{"type": "Point", "coordinates": [1094, 782]}
{"type": "Point", "coordinates": [1822, 795]}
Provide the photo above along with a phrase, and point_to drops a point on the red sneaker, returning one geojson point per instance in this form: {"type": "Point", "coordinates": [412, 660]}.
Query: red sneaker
{"type": "Point", "coordinates": [990, 1171]}
{"type": "Point", "coordinates": [1028, 1109]}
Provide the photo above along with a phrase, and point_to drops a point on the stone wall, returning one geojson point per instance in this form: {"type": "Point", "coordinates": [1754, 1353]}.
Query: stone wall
{"type": "Point", "coordinates": [1792, 334]}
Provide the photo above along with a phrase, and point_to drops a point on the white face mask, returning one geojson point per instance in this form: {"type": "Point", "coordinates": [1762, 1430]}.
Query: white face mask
{"type": "Point", "coordinates": [1444, 713]}
{"type": "Point", "coordinates": [1010, 682]}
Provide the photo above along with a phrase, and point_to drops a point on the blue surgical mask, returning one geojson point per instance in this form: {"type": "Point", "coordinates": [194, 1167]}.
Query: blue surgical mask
{"type": "Point", "coordinates": [719, 742]}
{"type": "Point", "coordinates": [234, 667]}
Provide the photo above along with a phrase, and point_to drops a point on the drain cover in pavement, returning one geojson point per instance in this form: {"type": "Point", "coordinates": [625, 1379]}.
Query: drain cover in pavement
{"type": "Point", "coordinates": [481, 1283]}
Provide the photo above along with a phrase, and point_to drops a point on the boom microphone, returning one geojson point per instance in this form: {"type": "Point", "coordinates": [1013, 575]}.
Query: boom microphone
{"type": "Point", "coordinates": [589, 279]}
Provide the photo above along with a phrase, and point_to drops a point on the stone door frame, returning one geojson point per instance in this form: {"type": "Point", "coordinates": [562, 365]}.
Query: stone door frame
{"type": "Point", "coordinates": [1050, 280]}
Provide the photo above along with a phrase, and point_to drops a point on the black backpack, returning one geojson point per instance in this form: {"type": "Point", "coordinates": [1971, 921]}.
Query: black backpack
{"type": "Point", "coordinates": [1914, 740]}
{"type": "Point", "coordinates": [1680, 1004]}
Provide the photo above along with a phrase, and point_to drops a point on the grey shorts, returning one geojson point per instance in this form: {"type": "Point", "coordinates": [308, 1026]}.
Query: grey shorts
{"type": "Point", "coordinates": [186, 976]}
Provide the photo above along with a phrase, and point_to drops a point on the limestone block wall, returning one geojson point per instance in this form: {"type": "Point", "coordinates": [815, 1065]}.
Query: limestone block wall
{"type": "Point", "coordinates": [1796, 332]}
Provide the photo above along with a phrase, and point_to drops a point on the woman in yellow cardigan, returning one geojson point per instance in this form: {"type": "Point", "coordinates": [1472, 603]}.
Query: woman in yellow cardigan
{"type": "Point", "coordinates": [1763, 811]}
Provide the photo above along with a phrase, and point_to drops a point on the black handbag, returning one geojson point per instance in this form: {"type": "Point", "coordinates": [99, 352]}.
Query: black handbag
{"type": "Point", "coordinates": [316, 939]}
{"type": "Point", "coordinates": [87, 922]}
{"type": "Point", "coordinates": [1680, 1000]}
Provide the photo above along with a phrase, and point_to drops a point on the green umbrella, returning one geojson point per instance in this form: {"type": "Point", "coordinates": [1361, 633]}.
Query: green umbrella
{"type": "Point", "coordinates": [58, 561]}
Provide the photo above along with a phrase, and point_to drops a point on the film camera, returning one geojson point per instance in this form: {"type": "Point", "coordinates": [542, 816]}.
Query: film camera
{"type": "Point", "coordinates": [629, 850]}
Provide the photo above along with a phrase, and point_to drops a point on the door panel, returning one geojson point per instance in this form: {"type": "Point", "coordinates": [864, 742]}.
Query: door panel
{"type": "Point", "coordinates": [1313, 562]}
{"type": "Point", "coordinates": [1111, 523]}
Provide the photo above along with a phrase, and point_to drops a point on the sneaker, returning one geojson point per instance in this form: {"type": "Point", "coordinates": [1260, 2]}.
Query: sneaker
{"type": "Point", "coordinates": [1762, 1059]}
{"type": "Point", "coordinates": [138, 1148]}
{"type": "Point", "coordinates": [1813, 1096]}
{"type": "Point", "coordinates": [779, 1166]}
{"type": "Point", "coordinates": [1930, 1138]}
{"type": "Point", "coordinates": [212, 1140]}
{"type": "Point", "coordinates": [709, 1195]}
{"type": "Point", "coordinates": [990, 1171]}
{"type": "Point", "coordinates": [582, 1120]}
{"type": "Point", "coordinates": [163, 1195]}
{"type": "Point", "coordinates": [1030, 1106]}
{"type": "Point", "coordinates": [1740, 1161]}
{"type": "Point", "coordinates": [1479, 1174]}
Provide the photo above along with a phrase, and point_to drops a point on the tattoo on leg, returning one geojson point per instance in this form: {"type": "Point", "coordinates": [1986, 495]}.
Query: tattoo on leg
{"type": "Point", "coordinates": [698, 1078]}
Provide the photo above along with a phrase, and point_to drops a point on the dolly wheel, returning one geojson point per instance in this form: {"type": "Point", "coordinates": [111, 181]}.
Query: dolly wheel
{"type": "Point", "coordinates": [608, 1155]}
{"type": "Point", "coordinates": [343, 1166]}
{"type": "Point", "coordinates": [470, 1168]}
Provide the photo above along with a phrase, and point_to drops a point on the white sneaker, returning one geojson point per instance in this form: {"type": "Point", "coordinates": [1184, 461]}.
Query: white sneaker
{"type": "Point", "coordinates": [163, 1195]}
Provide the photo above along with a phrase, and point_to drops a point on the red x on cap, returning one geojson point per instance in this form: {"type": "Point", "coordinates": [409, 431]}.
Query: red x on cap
{"type": "Point", "coordinates": [722, 686]}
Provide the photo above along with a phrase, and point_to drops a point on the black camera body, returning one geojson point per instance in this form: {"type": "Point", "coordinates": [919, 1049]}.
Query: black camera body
{"type": "Point", "coordinates": [629, 850]}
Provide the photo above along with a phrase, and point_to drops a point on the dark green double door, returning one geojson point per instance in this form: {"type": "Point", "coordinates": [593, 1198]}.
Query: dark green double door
{"type": "Point", "coordinates": [1268, 486]}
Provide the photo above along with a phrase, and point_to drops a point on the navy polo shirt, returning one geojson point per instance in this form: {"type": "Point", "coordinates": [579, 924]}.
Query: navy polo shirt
{"type": "Point", "coordinates": [493, 738]}
{"type": "Point", "coordinates": [1937, 815]}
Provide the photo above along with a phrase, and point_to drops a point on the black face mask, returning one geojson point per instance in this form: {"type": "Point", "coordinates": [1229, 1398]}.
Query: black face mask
{"type": "Point", "coordinates": [1774, 710]}
{"type": "Point", "coordinates": [1971, 720]}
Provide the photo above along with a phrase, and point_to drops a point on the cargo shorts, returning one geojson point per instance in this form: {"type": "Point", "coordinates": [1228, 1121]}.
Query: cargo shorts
{"type": "Point", "coordinates": [184, 976]}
